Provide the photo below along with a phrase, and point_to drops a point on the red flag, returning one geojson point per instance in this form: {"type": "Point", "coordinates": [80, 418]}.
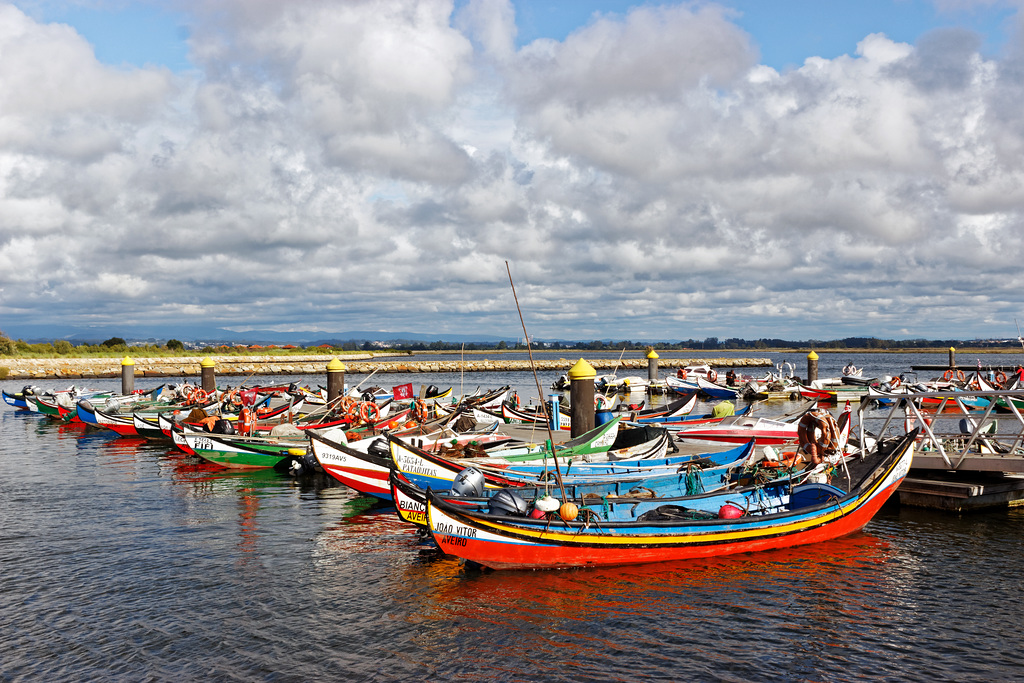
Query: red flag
{"type": "Point", "coordinates": [403, 392]}
{"type": "Point", "coordinates": [248, 397]}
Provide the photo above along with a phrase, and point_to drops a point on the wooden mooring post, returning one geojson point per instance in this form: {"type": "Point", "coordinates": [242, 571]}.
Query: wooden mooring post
{"type": "Point", "coordinates": [208, 376]}
{"type": "Point", "coordinates": [127, 376]}
{"type": "Point", "coordinates": [335, 379]}
{"type": "Point", "coordinates": [581, 397]}
{"type": "Point", "coordinates": [652, 366]}
{"type": "Point", "coordinates": [812, 367]}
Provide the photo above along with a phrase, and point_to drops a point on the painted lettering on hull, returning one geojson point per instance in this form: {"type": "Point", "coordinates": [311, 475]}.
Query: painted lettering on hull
{"type": "Point", "coordinates": [332, 456]}
{"type": "Point", "coordinates": [411, 510]}
{"type": "Point", "coordinates": [415, 465]}
{"type": "Point", "coordinates": [454, 534]}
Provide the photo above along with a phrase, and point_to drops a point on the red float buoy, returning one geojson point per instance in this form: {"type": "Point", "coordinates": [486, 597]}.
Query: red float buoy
{"type": "Point", "coordinates": [729, 511]}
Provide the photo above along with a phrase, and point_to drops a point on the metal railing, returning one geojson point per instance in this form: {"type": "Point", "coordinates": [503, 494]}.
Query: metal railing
{"type": "Point", "coordinates": [980, 430]}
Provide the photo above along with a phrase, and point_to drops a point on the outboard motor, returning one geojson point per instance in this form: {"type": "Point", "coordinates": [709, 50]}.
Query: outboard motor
{"type": "Point", "coordinates": [469, 483]}
{"type": "Point", "coordinates": [379, 448]}
{"type": "Point", "coordinates": [311, 464]}
{"type": "Point", "coordinates": [223, 426]}
{"type": "Point", "coordinates": [505, 502]}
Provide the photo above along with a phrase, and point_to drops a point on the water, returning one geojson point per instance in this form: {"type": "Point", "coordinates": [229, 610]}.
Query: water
{"type": "Point", "coordinates": [121, 560]}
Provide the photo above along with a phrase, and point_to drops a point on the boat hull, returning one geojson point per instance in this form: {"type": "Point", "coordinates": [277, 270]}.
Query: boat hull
{"type": "Point", "coordinates": [507, 543]}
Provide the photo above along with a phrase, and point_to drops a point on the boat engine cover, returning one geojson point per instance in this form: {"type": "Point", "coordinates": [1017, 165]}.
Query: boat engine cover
{"type": "Point", "coordinates": [468, 483]}
{"type": "Point", "coordinates": [505, 502]}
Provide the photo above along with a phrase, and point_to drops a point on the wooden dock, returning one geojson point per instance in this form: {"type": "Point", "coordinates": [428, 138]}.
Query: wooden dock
{"type": "Point", "coordinates": [962, 494]}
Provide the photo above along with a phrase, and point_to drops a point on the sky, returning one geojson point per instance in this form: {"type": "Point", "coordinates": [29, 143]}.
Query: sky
{"type": "Point", "coordinates": [793, 169]}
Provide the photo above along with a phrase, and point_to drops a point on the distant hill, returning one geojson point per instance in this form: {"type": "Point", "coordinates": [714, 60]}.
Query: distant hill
{"type": "Point", "coordinates": [90, 335]}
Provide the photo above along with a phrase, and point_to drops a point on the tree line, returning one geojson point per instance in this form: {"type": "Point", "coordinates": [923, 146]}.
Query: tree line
{"type": "Point", "coordinates": [63, 347]}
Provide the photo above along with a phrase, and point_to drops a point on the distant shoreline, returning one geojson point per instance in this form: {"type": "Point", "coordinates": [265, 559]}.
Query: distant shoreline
{"type": "Point", "coordinates": [84, 368]}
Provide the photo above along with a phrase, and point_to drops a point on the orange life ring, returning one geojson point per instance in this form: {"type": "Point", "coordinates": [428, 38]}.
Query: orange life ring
{"type": "Point", "coordinates": [812, 444]}
{"type": "Point", "coordinates": [369, 412]}
{"type": "Point", "coordinates": [200, 396]}
{"type": "Point", "coordinates": [245, 421]}
{"type": "Point", "coordinates": [712, 376]}
{"type": "Point", "coordinates": [352, 411]}
{"type": "Point", "coordinates": [681, 373]}
{"type": "Point", "coordinates": [960, 375]}
{"type": "Point", "coordinates": [422, 412]}
{"type": "Point", "coordinates": [894, 382]}
{"type": "Point", "coordinates": [1001, 377]}
{"type": "Point", "coordinates": [345, 405]}
{"type": "Point", "coordinates": [947, 375]}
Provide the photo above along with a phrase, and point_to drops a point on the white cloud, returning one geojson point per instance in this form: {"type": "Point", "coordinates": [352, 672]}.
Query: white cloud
{"type": "Point", "coordinates": [375, 164]}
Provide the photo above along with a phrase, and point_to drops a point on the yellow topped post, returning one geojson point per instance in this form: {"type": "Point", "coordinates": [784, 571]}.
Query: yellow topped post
{"type": "Point", "coordinates": [208, 378]}
{"type": "Point", "coordinates": [581, 397]}
{"type": "Point", "coordinates": [652, 365]}
{"type": "Point", "coordinates": [952, 357]}
{"type": "Point", "coordinates": [582, 370]}
{"type": "Point", "coordinates": [812, 367]}
{"type": "Point", "coordinates": [127, 376]}
{"type": "Point", "coordinates": [335, 379]}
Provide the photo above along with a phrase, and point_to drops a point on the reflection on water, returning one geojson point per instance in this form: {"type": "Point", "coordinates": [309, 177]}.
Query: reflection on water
{"type": "Point", "coordinates": [603, 621]}
{"type": "Point", "coordinates": [125, 559]}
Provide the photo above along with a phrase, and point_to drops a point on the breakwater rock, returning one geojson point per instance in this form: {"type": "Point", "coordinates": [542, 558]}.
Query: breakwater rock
{"type": "Point", "coordinates": [75, 368]}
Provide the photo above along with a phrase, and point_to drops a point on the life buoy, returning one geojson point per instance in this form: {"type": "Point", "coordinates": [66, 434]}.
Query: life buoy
{"type": "Point", "coordinates": [200, 396]}
{"type": "Point", "coordinates": [818, 435]}
{"type": "Point", "coordinates": [947, 375]}
{"type": "Point", "coordinates": [681, 373]}
{"type": "Point", "coordinates": [960, 375]}
{"type": "Point", "coordinates": [245, 421]}
{"type": "Point", "coordinates": [352, 412]}
{"type": "Point", "coordinates": [422, 412]}
{"type": "Point", "coordinates": [369, 412]}
{"type": "Point", "coordinates": [344, 405]}
{"type": "Point", "coordinates": [1001, 377]}
{"type": "Point", "coordinates": [712, 376]}
{"type": "Point", "coordinates": [895, 382]}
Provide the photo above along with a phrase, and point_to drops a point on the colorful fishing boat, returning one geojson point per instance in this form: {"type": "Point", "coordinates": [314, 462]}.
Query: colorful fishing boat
{"type": "Point", "coordinates": [18, 399]}
{"type": "Point", "coordinates": [716, 391]}
{"type": "Point", "coordinates": [758, 518]}
{"type": "Point", "coordinates": [436, 471]}
{"type": "Point", "coordinates": [242, 452]}
{"type": "Point", "coordinates": [673, 424]}
{"type": "Point", "coordinates": [515, 415]}
{"type": "Point", "coordinates": [697, 478]}
{"type": "Point", "coordinates": [665, 413]}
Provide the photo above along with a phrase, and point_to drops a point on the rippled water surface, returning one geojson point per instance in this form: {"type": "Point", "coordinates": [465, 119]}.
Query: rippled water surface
{"type": "Point", "coordinates": [120, 559]}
